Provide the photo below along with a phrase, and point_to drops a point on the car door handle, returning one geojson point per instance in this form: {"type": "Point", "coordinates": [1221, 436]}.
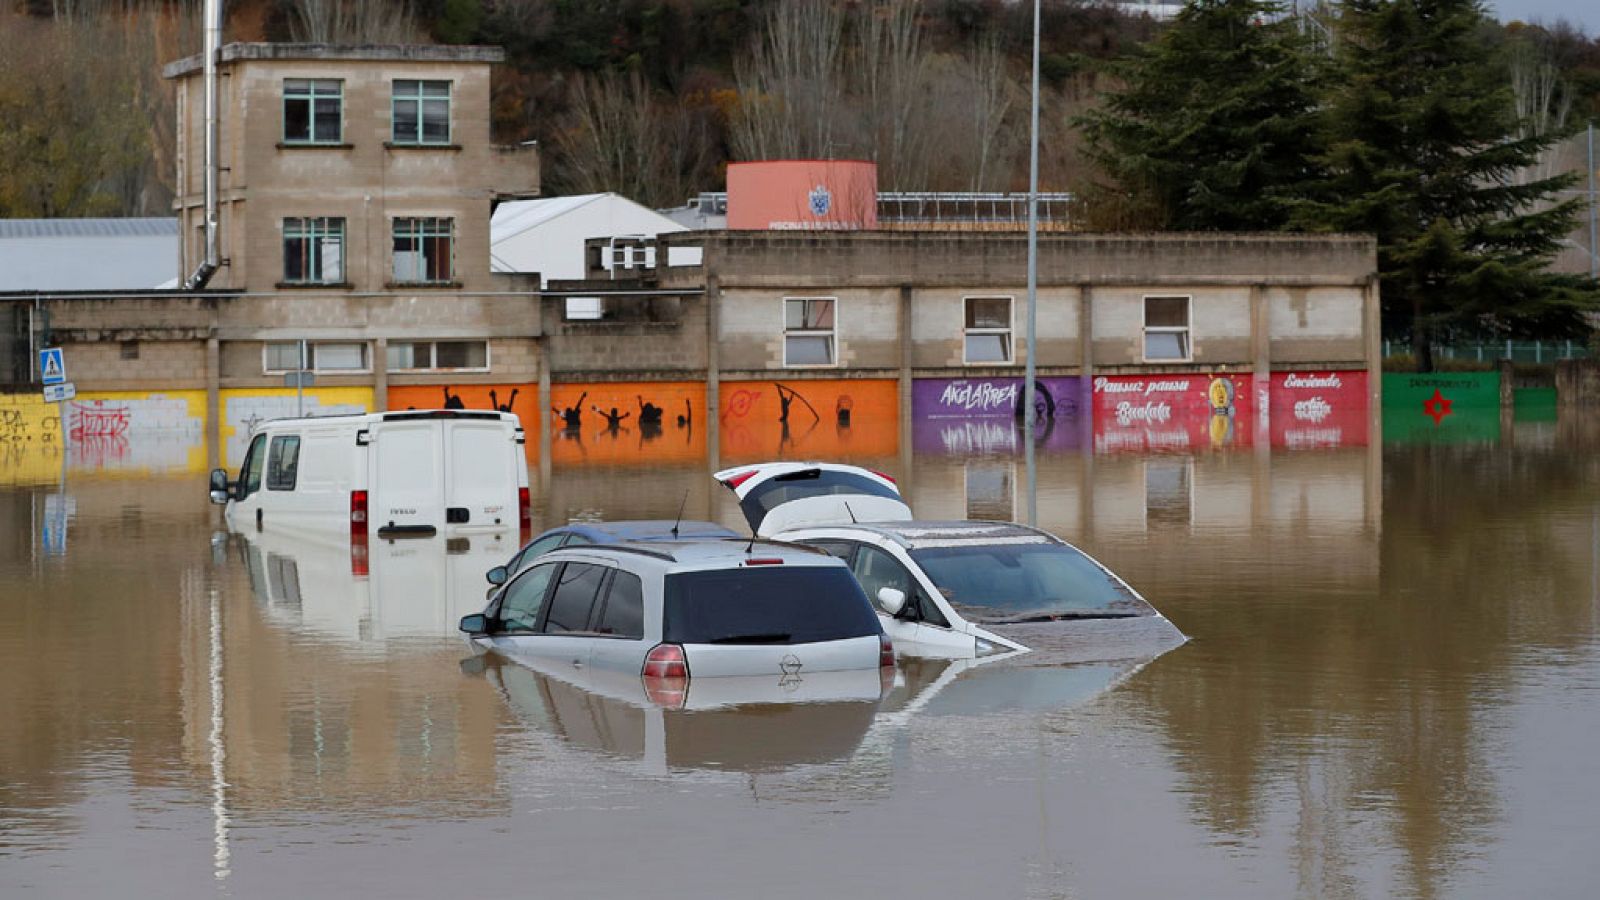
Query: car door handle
{"type": "Point", "coordinates": [577, 663]}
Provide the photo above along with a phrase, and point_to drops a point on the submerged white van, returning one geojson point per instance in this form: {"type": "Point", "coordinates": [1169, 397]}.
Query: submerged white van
{"type": "Point", "coordinates": [416, 473]}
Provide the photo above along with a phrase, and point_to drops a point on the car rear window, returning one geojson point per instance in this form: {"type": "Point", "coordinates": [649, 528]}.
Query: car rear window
{"type": "Point", "coordinates": [766, 605]}
{"type": "Point", "coordinates": [770, 494]}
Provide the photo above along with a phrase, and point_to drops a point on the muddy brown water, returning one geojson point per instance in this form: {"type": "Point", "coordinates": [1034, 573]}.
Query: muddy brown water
{"type": "Point", "coordinates": [1392, 689]}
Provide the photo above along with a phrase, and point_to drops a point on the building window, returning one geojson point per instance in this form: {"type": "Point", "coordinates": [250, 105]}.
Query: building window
{"type": "Point", "coordinates": [423, 250]}
{"type": "Point", "coordinates": [130, 349]}
{"type": "Point", "coordinates": [313, 251]}
{"type": "Point", "coordinates": [321, 356]}
{"type": "Point", "coordinates": [421, 112]}
{"type": "Point", "coordinates": [312, 111]}
{"type": "Point", "coordinates": [808, 331]}
{"type": "Point", "coordinates": [585, 309]}
{"type": "Point", "coordinates": [1166, 329]}
{"type": "Point", "coordinates": [988, 335]}
{"type": "Point", "coordinates": [420, 355]}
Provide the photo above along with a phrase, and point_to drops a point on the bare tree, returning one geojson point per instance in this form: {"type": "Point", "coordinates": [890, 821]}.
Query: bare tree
{"type": "Point", "coordinates": [893, 66]}
{"type": "Point", "coordinates": [992, 91]}
{"type": "Point", "coordinates": [619, 137]}
{"type": "Point", "coordinates": [1542, 101]}
{"type": "Point", "coordinates": [791, 87]}
{"type": "Point", "coordinates": [353, 21]}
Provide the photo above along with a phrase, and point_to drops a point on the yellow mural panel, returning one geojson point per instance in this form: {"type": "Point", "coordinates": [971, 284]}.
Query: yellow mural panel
{"type": "Point", "coordinates": [245, 408]}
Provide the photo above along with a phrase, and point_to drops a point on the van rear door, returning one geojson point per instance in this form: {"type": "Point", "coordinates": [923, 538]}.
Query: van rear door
{"type": "Point", "coordinates": [407, 466]}
{"type": "Point", "coordinates": [481, 477]}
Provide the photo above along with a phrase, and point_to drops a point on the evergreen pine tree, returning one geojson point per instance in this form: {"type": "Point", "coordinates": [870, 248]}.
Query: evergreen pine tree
{"type": "Point", "coordinates": [1213, 130]}
{"type": "Point", "coordinates": [1422, 143]}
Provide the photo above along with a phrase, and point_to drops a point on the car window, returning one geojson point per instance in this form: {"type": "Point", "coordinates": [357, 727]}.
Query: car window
{"type": "Point", "coordinates": [768, 605]}
{"type": "Point", "coordinates": [282, 462]}
{"type": "Point", "coordinates": [523, 598]}
{"type": "Point", "coordinates": [531, 553]}
{"type": "Point", "coordinates": [841, 549]}
{"type": "Point", "coordinates": [1007, 582]}
{"type": "Point", "coordinates": [577, 588]}
{"type": "Point", "coordinates": [876, 569]}
{"type": "Point", "coordinates": [254, 461]}
{"type": "Point", "coordinates": [576, 540]}
{"type": "Point", "coordinates": [623, 614]}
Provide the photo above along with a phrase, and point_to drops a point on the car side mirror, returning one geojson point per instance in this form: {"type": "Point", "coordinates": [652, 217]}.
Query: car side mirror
{"type": "Point", "coordinates": [219, 497]}
{"type": "Point", "coordinates": [892, 601]}
{"type": "Point", "coordinates": [219, 483]}
{"type": "Point", "coordinates": [477, 623]}
{"type": "Point", "coordinates": [497, 575]}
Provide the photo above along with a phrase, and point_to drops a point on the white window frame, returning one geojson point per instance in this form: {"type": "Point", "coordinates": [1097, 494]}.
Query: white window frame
{"type": "Point", "coordinates": [366, 358]}
{"type": "Point", "coordinates": [832, 334]}
{"type": "Point", "coordinates": [1010, 331]}
{"type": "Point", "coordinates": [1147, 329]}
{"type": "Point", "coordinates": [433, 354]}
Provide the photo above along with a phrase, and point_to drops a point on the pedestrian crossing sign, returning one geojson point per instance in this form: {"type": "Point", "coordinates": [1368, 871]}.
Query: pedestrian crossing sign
{"type": "Point", "coordinates": [52, 366]}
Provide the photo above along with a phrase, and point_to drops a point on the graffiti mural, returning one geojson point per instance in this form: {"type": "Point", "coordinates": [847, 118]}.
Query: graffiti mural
{"type": "Point", "coordinates": [245, 408]}
{"type": "Point", "coordinates": [627, 422]}
{"type": "Point", "coordinates": [129, 432]}
{"type": "Point", "coordinates": [1172, 412]}
{"type": "Point", "coordinates": [964, 416]}
{"type": "Point", "coordinates": [1318, 409]}
{"type": "Point", "coordinates": [832, 419]}
{"type": "Point", "coordinates": [520, 399]}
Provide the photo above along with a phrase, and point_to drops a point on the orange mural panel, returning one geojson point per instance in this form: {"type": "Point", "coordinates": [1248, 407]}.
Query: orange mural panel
{"type": "Point", "coordinates": [522, 399]}
{"type": "Point", "coordinates": [807, 194]}
{"type": "Point", "coordinates": [833, 419]}
{"type": "Point", "coordinates": [627, 422]}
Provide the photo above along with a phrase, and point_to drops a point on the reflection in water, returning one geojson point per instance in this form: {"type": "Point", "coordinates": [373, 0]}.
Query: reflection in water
{"type": "Point", "coordinates": [1389, 692]}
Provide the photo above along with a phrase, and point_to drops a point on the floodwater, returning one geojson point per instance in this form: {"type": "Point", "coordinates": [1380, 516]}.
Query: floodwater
{"type": "Point", "coordinates": [1392, 689]}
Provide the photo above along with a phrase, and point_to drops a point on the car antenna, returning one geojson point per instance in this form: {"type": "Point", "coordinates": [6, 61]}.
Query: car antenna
{"type": "Point", "coordinates": [679, 519]}
{"type": "Point", "coordinates": [751, 547]}
{"type": "Point", "coordinates": [851, 512]}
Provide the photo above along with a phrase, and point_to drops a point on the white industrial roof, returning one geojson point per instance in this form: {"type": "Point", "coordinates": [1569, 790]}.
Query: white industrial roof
{"type": "Point", "coordinates": [87, 254]}
{"type": "Point", "coordinates": [516, 216]}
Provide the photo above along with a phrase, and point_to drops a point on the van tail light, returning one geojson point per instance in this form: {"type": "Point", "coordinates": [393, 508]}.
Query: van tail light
{"type": "Point", "coordinates": [666, 661]}
{"type": "Point", "coordinates": [358, 555]}
{"type": "Point", "coordinates": [358, 512]}
{"type": "Point", "coordinates": [888, 478]}
{"type": "Point", "coordinates": [885, 652]}
{"type": "Point", "coordinates": [734, 481]}
{"type": "Point", "coordinates": [524, 507]}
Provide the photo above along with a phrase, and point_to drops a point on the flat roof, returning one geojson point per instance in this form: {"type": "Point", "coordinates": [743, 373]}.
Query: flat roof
{"type": "Point", "coordinates": [422, 53]}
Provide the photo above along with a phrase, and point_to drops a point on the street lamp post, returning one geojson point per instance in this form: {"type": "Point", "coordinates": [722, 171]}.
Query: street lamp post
{"type": "Point", "coordinates": [1028, 390]}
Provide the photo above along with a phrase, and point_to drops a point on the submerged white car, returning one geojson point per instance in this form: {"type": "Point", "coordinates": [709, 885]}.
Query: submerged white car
{"type": "Point", "coordinates": [942, 589]}
{"type": "Point", "coordinates": [674, 611]}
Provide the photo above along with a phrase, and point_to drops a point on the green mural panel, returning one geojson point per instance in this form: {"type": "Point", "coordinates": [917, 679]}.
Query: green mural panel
{"type": "Point", "coordinates": [1468, 425]}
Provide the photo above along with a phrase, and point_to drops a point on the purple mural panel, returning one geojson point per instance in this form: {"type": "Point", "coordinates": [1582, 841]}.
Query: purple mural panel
{"type": "Point", "coordinates": [965, 416]}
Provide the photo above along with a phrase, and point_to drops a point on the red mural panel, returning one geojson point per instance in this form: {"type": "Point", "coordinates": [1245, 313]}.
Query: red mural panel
{"type": "Point", "coordinates": [1172, 412]}
{"type": "Point", "coordinates": [1313, 409]}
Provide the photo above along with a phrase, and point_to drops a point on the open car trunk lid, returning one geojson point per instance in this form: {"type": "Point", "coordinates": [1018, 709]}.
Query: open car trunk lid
{"type": "Point", "coordinates": [777, 497]}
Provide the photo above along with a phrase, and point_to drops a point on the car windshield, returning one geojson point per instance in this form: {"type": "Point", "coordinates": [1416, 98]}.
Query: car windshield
{"type": "Point", "coordinates": [1025, 582]}
{"type": "Point", "coordinates": [790, 486]}
{"type": "Point", "coordinates": [782, 604]}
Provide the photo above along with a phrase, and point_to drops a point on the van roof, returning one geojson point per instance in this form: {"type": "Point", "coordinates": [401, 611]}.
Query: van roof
{"type": "Point", "coordinates": [407, 415]}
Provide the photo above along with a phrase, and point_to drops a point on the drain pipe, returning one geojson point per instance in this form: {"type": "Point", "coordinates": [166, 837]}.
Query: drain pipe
{"type": "Point", "coordinates": [213, 42]}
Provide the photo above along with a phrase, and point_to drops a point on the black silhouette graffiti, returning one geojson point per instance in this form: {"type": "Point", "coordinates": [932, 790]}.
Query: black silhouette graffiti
{"type": "Point", "coordinates": [452, 401]}
{"type": "Point", "coordinates": [1044, 403]}
{"type": "Point", "coordinates": [572, 416]}
{"type": "Point", "coordinates": [613, 418]}
{"type": "Point", "coordinates": [786, 396]}
{"type": "Point", "coordinates": [494, 400]}
{"type": "Point", "coordinates": [841, 410]}
{"type": "Point", "coordinates": [649, 413]}
{"type": "Point", "coordinates": [687, 418]}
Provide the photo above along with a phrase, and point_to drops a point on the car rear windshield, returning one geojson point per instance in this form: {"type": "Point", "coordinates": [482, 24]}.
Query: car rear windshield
{"type": "Point", "coordinates": [1026, 581]}
{"type": "Point", "coordinates": [774, 492]}
{"type": "Point", "coordinates": [781, 604]}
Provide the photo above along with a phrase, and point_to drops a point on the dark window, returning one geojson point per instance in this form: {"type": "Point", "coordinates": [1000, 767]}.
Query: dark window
{"type": "Point", "coordinates": [523, 598]}
{"type": "Point", "coordinates": [769, 605]}
{"type": "Point", "coordinates": [311, 111]}
{"type": "Point", "coordinates": [130, 349]}
{"type": "Point", "coordinates": [841, 549]}
{"type": "Point", "coordinates": [531, 553]}
{"type": "Point", "coordinates": [421, 112]}
{"type": "Point", "coordinates": [283, 462]}
{"type": "Point", "coordinates": [1010, 582]}
{"type": "Point", "coordinates": [623, 615]}
{"type": "Point", "coordinates": [313, 251]}
{"type": "Point", "coordinates": [770, 494]}
{"type": "Point", "coordinates": [576, 540]}
{"type": "Point", "coordinates": [254, 460]}
{"type": "Point", "coordinates": [423, 250]}
{"type": "Point", "coordinates": [574, 597]}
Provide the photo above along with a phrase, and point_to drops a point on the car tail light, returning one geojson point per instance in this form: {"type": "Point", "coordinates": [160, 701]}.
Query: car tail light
{"type": "Point", "coordinates": [524, 507]}
{"type": "Point", "coordinates": [764, 561]}
{"type": "Point", "coordinates": [888, 478]}
{"type": "Point", "coordinates": [668, 693]}
{"type": "Point", "coordinates": [885, 651]}
{"type": "Point", "coordinates": [358, 555]}
{"type": "Point", "coordinates": [735, 480]}
{"type": "Point", "coordinates": [666, 661]}
{"type": "Point", "coordinates": [358, 512]}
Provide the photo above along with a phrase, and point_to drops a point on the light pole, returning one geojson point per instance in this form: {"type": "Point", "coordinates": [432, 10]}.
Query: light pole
{"type": "Point", "coordinates": [1033, 281]}
{"type": "Point", "coordinates": [1594, 215]}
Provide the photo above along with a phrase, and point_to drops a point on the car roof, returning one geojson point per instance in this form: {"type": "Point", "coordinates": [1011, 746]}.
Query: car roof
{"type": "Point", "coordinates": [644, 530]}
{"type": "Point", "coordinates": [953, 533]}
{"type": "Point", "coordinates": [707, 553]}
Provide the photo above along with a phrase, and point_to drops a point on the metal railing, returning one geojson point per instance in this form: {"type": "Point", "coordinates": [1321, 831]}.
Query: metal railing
{"type": "Point", "coordinates": [1535, 352]}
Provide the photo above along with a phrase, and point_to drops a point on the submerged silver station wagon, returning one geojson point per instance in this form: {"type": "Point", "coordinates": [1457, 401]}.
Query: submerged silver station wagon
{"type": "Point", "coordinates": [675, 611]}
